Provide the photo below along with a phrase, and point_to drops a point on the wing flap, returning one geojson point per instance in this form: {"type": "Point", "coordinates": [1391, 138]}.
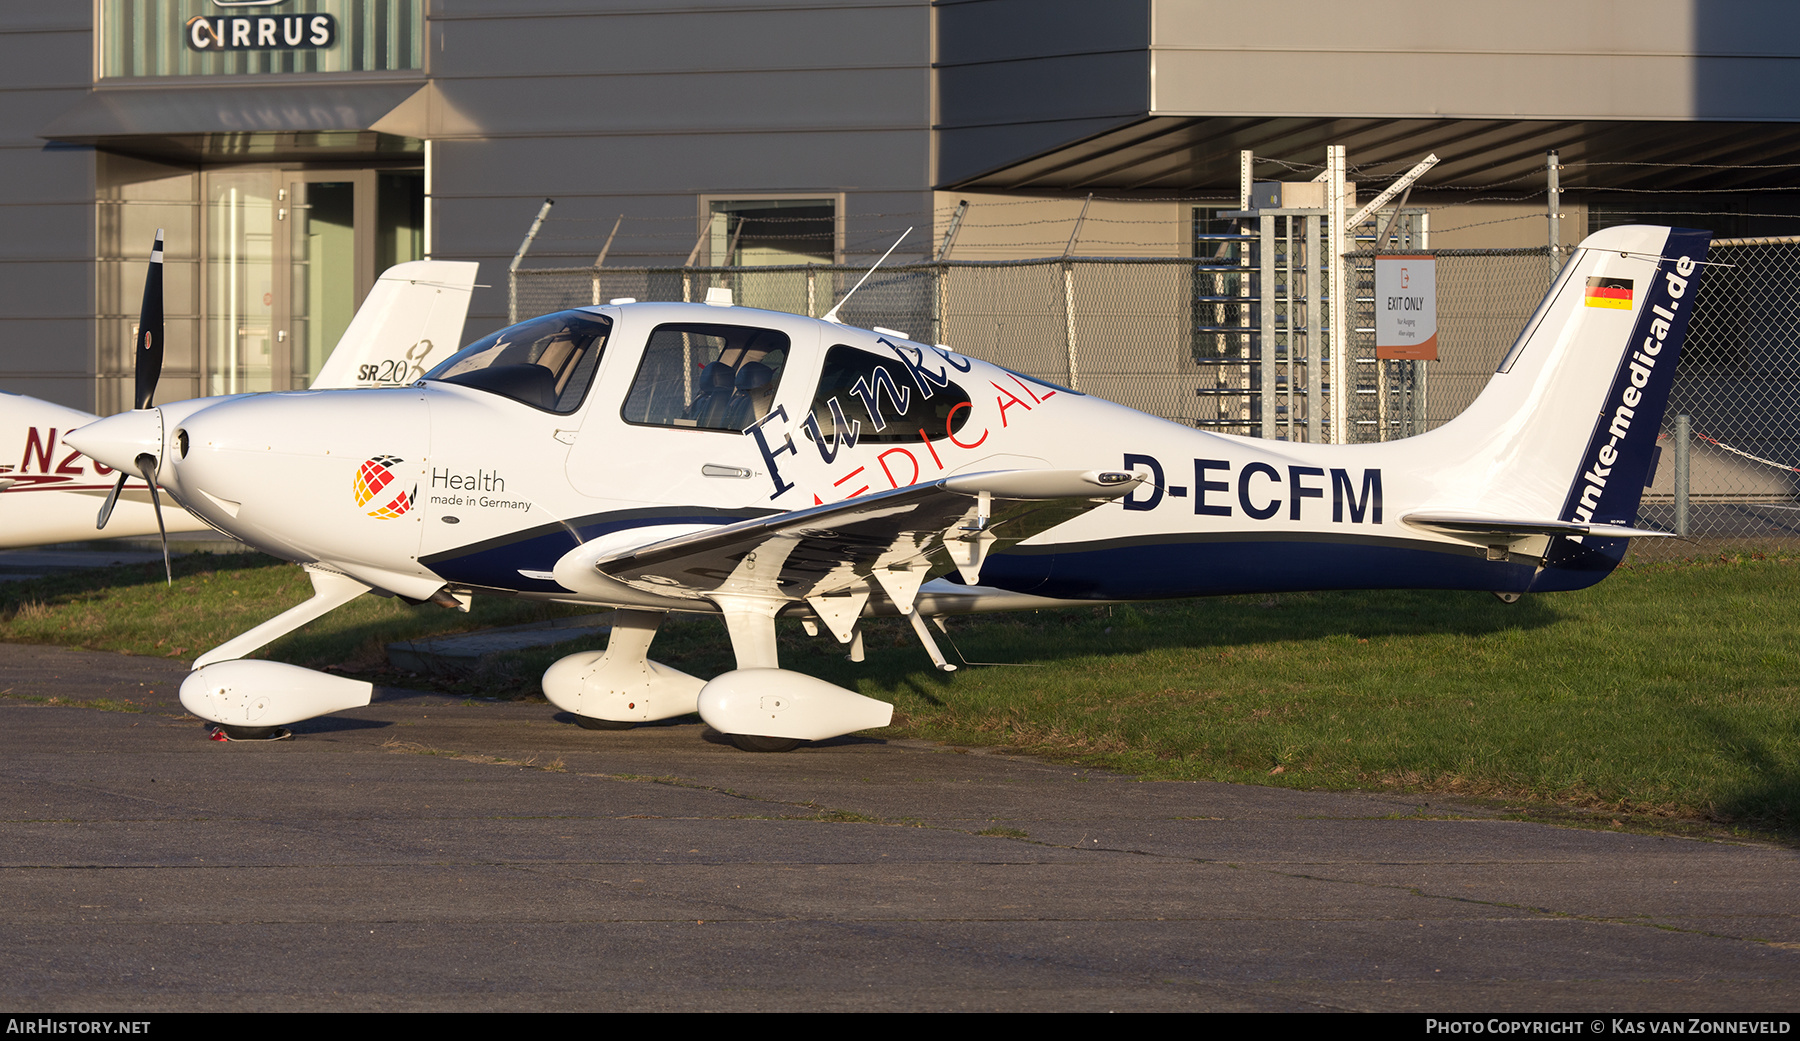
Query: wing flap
{"type": "Point", "coordinates": [838, 547]}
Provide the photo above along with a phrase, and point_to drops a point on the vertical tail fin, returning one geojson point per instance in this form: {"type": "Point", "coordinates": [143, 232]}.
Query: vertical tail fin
{"type": "Point", "coordinates": [1566, 430]}
{"type": "Point", "coordinates": [411, 320]}
{"type": "Point", "coordinates": [1622, 444]}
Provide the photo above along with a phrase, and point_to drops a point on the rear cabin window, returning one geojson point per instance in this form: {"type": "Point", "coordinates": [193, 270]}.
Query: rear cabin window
{"type": "Point", "coordinates": [867, 397]}
{"type": "Point", "coordinates": [707, 377]}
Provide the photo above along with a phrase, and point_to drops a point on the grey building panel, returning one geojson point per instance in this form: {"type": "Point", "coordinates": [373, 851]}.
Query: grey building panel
{"type": "Point", "coordinates": [25, 57]}
{"type": "Point", "coordinates": [648, 39]}
{"type": "Point", "coordinates": [25, 113]}
{"type": "Point", "coordinates": [1733, 89]}
{"type": "Point", "coordinates": [487, 222]}
{"type": "Point", "coordinates": [1171, 154]}
{"type": "Point", "coordinates": [46, 231]}
{"type": "Point", "coordinates": [44, 347]}
{"type": "Point", "coordinates": [721, 102]}
{"type": "Point", "coordinates": [981, 31]}
{"type": "Point", "coordinates": [1079, 86]}
{"type": "Point", "coordinates": [489, 229]}
{"type": "Point", "coordinates": [73, 391]}
{"type": "Point", "coordinates": [1745, 26]}
{"type": "Point", "coordinates": [461, 10]}
{"type": "Point", "coordinates": [47, 203]}
{"type": "Point", "coordinates": [767, 162]}
{"type": "Point", "coordinates": [871, 215]}
{"type": "Point", "coordinates": [37, 174]}
{"type": "Point", "coordinates": [45, 288]}
{"type": "Point", "coordinates": [660, 232]}
{"type": "Point", "coordinates": [1523, 28]}
{"type": "Point", "coordinates": [1273, 83]}
{"type": "Point", "coordinates": [1017, 79]}
{"type": "Point", "coordinates": [617, 106]}
{"type": "Point", "coordinates": [1536, 59]}
{"type": "Point", "coordinates": [967, 154]}
{"type": "Point", "coordinates": [50, 17]}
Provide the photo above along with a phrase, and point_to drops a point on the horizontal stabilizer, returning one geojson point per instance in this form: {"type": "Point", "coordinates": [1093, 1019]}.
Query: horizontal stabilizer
{"type": "Point", "coordinates": [1489, 531]}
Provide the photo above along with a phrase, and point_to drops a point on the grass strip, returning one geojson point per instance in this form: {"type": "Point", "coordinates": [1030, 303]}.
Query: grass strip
{"type": "Point", "coordinates": [1667, 692]}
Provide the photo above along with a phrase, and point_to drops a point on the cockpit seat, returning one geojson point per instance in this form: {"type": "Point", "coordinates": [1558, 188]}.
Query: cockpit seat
{"type": "Point", "coordinates": [752, 392]}
{"type": "Point", "coordinates": [712, 403]}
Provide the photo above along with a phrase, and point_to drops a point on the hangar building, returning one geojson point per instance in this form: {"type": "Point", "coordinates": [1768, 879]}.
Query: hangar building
{"type": "Point", "coordinates": [294, 148]}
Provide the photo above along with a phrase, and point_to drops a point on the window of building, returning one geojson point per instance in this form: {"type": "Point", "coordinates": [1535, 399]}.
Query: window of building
{"type": "Point", "coordinates": [760, 232]}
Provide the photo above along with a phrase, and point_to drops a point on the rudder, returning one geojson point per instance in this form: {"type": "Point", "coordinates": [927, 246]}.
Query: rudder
{"type": "Point", "coordinates": [1620, 450]}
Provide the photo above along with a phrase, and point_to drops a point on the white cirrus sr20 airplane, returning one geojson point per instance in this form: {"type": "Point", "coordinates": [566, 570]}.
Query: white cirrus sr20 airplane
{"type": "Point", "coordinates": [411, 320]}
{"type": "Point", "coordinates": [756, 465]}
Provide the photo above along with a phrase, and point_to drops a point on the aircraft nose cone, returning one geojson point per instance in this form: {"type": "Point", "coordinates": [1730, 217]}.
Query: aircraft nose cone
{"type": "Point", "coordinates": [118, 440]}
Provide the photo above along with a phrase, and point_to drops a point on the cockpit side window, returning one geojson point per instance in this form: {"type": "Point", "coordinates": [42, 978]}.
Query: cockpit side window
{"type": "Point", "coordinates": [547, 363]}
{"type": "Point", "coordinates": [707, 377]}
{"type": "Point", "coordinates": [868, 397]}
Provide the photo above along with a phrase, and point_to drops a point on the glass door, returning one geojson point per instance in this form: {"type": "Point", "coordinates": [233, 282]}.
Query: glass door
{"type": "Point", "coordinates": [290, 255]}
{"type": "Point", "coordinates": [328, 267]}
{"type": "Point", "coordinates": [240, 325]}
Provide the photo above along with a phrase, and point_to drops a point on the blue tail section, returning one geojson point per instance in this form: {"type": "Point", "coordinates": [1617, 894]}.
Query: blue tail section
{"type": "Point", "coordinates": [1620, 451]}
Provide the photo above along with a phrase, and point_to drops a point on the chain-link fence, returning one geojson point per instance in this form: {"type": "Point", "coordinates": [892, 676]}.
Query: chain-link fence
{"type": "Point", "coordinates": [1739, 384]}
{"type": "Point", "coordinates": [1733, 478]}
{"type": "Point", "coordinates": [1174, 337]}
{"type": "Point", "coordinates": [1118, 328]}
{"type": "Point", "coordinates": [1484, 298]}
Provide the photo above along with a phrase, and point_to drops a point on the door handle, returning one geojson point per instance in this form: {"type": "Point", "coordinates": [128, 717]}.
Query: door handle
{"type": "Point", "coordinates": [718, 470]}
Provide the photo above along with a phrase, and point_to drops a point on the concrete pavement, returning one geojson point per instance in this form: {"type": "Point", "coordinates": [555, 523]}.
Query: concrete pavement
{"type": "Point", "coordinates": [429, 853]}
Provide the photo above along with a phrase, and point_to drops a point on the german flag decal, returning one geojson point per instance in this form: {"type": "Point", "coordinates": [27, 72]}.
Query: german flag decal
{"type": "Point", "coordinates": [1609, 292]}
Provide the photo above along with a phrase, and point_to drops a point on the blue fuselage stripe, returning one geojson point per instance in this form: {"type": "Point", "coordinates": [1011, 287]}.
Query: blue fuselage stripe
{"type": "Point", "coordinates": [1140, 571]}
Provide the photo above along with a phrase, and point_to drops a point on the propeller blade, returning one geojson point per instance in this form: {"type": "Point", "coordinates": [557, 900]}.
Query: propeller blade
{"type": "Point", "coordinates": [148, 350]}
{"type": "Point", "coordinates": [112, 499]}
{"type": "Point", "coordinates": [147, 464]}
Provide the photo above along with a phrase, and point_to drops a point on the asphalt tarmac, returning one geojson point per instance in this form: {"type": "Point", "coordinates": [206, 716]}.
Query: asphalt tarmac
{"type": "Point", "coordinates": [428, 853]}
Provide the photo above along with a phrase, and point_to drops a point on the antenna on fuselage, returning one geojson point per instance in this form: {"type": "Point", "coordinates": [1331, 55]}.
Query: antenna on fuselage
{"type": "Point", "coordinates": [832, 315]}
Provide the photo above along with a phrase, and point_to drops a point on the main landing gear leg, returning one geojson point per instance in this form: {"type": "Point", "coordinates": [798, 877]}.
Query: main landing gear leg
{"type": "Point", "coordinates": [765, 708]}
{"type": "Point", "coordinates": [620, 687]}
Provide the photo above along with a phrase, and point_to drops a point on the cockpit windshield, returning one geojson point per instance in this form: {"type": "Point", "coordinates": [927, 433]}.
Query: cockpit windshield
{"type": "Point", "coordinates": [546, 362]}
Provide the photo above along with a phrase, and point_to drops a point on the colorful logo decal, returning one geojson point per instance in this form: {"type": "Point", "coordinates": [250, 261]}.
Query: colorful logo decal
{"type": "Point", "coordinates": [373, 483]}
{"type": "Point", "coordinates": [1609, 292]}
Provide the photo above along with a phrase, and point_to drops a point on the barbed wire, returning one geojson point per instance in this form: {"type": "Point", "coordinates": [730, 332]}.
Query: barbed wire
{"type": "Point", "coordinates": [674, 235]}
{"type": "Point", "coordinates": [1698, 213]}
{"type": "Point", "coordinates": [1688, 191]}
{"type": "Point", "coordinates": [1685, 166]}
{"type": "Point", "coordinates": [945, 210]}
{"type": "Point", "coordinates": [1485, 223]}
{"type": "Point", "coordinates": [1285, 164]}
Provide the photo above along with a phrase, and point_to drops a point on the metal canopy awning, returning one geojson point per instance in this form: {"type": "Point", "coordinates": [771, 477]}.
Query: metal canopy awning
{"type": "Point", "coordinates": [1183, 154]}
{"type": "Point", "coordinates": [251, 122]}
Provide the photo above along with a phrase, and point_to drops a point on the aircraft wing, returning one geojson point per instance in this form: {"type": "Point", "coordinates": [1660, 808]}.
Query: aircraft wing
{"type": "Point", "coordinates": [885, 540]}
